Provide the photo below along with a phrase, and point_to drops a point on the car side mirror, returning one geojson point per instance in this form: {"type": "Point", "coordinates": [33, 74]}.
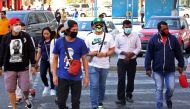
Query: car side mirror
{"type": "Point", "coordinates": [183, 27]}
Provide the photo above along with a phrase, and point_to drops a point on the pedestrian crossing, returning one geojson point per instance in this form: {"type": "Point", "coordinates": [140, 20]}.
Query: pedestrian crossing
{"type": "Point", "coordinates": [144, 95]}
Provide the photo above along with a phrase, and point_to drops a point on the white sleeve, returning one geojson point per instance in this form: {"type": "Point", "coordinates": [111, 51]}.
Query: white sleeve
{"type": "Point", "coordinates": [117, 50]}
{"type": "Point", "coordinates": [138, 45]}
{"type": "Point", "coordinates": [52, 44]}
{"type": "Point", "coordinates": [112, 43]}
{"type": "Point", "coordinates": [87, 42]}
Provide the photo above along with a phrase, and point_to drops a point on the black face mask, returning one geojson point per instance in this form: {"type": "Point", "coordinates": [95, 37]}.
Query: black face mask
{"type": "Point", "coordinates": [73, 34]}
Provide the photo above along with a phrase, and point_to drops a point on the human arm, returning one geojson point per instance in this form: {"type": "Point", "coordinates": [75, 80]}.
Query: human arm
{"type": "Point", "coordinates": [149, 57]}
{"type": "Point", "coordinates": [2, 53]}
{"type": "Point", "coordinates": [85, 66]}
{"type": "Point", "coordinates": [54, 69]}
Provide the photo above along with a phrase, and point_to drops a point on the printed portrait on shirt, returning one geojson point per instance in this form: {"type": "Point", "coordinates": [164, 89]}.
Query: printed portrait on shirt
{"type": "Point", "coordinates": [15, 51]}
{"type": "Point", "coordinates": [66, 60]}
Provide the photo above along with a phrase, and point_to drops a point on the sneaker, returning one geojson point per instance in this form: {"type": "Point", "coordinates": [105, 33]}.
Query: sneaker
{"type": "Point", "coordinates": [169, 104]}
{"type": "Point", "coordinates": [28, 104]}
{"type": "Point", "coordinates": [129, 100]}
{"type": "Point", "coordinates": [100, 106]}
{"type": "Point", "coordinates": [120, 102]}
{"type": "Point", "coordinates": [45, 91]}
{"type": "Point", "coordinates": [52, 92]}
{"type": "Point", "coordinates": [10, 106]}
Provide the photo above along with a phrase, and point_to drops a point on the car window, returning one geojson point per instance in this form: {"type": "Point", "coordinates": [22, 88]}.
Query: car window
{"type": "Point", "coordinates": [85, 6]}
{"type": "Point", "coordinates": [76, 5]}
{"type": "Point", "coordinates": [32, 19]}
{"type": "Point", "coordinates": [50, 16]}
{"type": "Point", "coordinates": [84, 26]}
{"type": "Point", "coordinates": [41, 17]}
{"type": "Point", "coordinates": [172, 23]}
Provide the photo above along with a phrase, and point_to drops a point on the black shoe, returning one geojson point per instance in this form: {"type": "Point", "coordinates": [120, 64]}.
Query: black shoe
{"type": "Point", "coordinates": [169, 104]}
{"type": "Point", "coordinates": [28, 104]}
{"type": "Point", "coordinates": [120, 102]}
{"type": "Point", "coordinates": [129, 99]}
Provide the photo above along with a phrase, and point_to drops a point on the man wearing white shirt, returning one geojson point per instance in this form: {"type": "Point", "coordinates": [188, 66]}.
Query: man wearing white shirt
{"type": "Point", "coordinates": [98, 67]}
{"type": "Point", "coordinates": [127, 46]}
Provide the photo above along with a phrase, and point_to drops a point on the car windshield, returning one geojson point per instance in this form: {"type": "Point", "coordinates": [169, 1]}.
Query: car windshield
{"type": "Point", "coordinates": [21, 16]}
{"type": "Point", "coordinates": [172, 23]}
{"type": "Point", "coordinates": [84, 25]}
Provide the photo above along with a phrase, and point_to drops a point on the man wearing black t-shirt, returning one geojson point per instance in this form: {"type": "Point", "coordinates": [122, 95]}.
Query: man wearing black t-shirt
{"type": "Point", "coordinates": [16, 51]}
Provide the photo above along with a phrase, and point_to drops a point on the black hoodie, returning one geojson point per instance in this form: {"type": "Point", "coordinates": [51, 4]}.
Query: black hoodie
{"type": "Point", "coordinates": [26, 54]}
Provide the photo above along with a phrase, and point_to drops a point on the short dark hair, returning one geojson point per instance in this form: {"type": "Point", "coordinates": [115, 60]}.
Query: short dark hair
{"type": "Point", "coordinates": [58, 29]}
{"type": "Point", "coordinates": [161, 23]}
{"type": "Point", "coordinates": [126, 22]}
{"type": "Point", "coordinates": [22, 24]}
{"type": "Point", "coordinates": [4, 12]}
{"type": "Point", "coordinates": [68, 25]}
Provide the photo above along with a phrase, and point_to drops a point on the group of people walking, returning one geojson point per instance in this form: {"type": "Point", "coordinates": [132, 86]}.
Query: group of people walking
{"type": "Point", "coordinates": [63, 55]}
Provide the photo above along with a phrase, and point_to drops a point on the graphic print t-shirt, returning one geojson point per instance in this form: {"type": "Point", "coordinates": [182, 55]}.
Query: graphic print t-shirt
{"type": "Point", "coordinates": [93, 42]}
{"type": "Point", "coordinates": [76, 50]}
{"type": "Point", "coordinates": [16, 54]}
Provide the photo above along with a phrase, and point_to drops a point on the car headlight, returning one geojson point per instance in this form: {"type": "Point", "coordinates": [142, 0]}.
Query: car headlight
{"type": "Point", "coordinates": [140, 35]}
{"type": "Point", "coordinates": [176, 34]}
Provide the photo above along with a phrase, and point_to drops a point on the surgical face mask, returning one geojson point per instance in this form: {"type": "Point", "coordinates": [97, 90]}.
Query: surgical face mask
{"type": "Point", "coordinates": [98, 28]}
{"type": "Point", "coordinates": [23, 30]}
{"type": "Point", "coordinates": [61, 34]}
{"type": "Point", "coordinates": [127, 30]}
{"type": "Point", "coordinates": [73, 34]}
{"type": "Point", "coordinates": [17, 28]}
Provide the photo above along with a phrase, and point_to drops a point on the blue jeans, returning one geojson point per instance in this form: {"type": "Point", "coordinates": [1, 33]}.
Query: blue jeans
{"type": "Point", "coordinates": [159, 78]}
{"type": "Point", "coordinates": [97, 77]}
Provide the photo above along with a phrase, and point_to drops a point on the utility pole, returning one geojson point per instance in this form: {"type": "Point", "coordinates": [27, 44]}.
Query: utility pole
{"type": "Point", "coordinates": [95, 8]}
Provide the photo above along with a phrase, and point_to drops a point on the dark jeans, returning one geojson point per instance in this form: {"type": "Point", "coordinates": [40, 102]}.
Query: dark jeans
{"type": "Point", "coordinates": [63, 92]}
{"type": "Point", "coordinates": [1, 36]}
{"type": "Point", "coordinates": [142, 16]}
{"type": "Point", "coordinates": [44, 67]}
{"type": "Point", "coordinates": [122, 67]}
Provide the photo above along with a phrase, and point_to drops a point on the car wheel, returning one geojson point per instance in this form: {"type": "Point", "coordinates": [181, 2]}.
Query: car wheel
{"type": "Point", "coordinates": [83, 15]}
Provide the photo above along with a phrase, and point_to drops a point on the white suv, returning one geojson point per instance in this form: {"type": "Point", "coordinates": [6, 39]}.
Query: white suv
{"type": "Point", "coordinates": [81, 7]}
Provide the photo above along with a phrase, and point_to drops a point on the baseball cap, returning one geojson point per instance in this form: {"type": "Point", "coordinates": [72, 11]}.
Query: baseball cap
{"type": "Point", "coordinates": [97, 20]}
{"type": "Point", "coordinates": [13, 21]}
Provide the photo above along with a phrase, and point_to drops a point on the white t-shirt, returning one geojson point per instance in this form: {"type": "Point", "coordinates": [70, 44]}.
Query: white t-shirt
{"type": "Point", "coordinates": [93, 42]}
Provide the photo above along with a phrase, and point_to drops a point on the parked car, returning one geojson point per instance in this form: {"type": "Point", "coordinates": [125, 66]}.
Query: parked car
{"type": "Point", "coordinates": [81, 7]}
{"type": "Point", "coordinates": [84, 27]}
{"type": "Point", "coordinates": [35, 21]}
{"type": "Point", "coordinates": [106, 11]}
{"type": "Point", "coordinates": [178, 26]}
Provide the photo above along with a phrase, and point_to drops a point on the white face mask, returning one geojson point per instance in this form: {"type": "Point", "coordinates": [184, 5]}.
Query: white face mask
{"type": "Point", "coordinates": [17, 29]}
{"type": "Point", "coordinates": [61, 34]}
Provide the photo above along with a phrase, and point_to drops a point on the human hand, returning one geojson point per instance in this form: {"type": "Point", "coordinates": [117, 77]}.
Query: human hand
{"type": "Point", "coordinates": [86, 81]}
{"type": "Point", "coordinates": [1, 71]}
{"type": "Point", "coordinates": [33, 70]}
{"type": "Point", "coordinates": [180, 70]}
{"type": "Point", "coordinates": [101, 54]}
{"type": "Point", "coordinates": [149, 73]}
{"type": "Point", "coordinates": [55, 80]}
{"type": "Point", "coordinates": [93, 53]}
